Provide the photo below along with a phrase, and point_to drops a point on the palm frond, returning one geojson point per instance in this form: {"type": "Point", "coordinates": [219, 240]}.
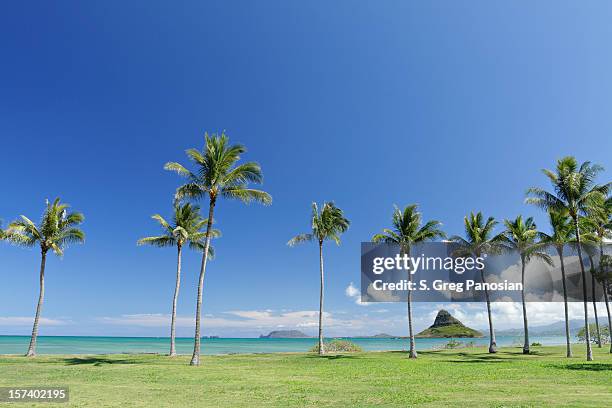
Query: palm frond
{"type": "Point", "coordinates": [17, 236]}
{"type": "Point", "coordinates": [247, 195]}
{"type": "Point", "coordinates": [192, 191]}
{"type": "Point", "coordinates": [543, 199]}
{"type": "Point", "coordinates": [179, 169]}
{"type": "Point", "coordinates": [26, 226]}
{"type": "Point", "coordinates": [298, 239]}
{"type": "Point", "coordinates": [160, 241]}
{"type": "Point", "coordinates": [200, 246]}
{"type": "Point", "coordinates": [70, 236]}
{"type": "Point", "coordinates": [162, 222]}
{"type": "Point", "coordinates": [57, 249]}
{"type": "Point", "coordinates": [388, 236]}
{"type": "Point", "coordinates": [245, 173]}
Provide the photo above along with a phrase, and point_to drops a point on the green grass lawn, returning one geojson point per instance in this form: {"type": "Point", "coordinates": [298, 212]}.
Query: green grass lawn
{"type": "Point", "coordinates": [465, 378]}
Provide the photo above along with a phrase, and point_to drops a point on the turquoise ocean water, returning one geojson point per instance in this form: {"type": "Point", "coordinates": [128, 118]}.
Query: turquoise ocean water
{"type": "Point", "coordinates": [113, 345]}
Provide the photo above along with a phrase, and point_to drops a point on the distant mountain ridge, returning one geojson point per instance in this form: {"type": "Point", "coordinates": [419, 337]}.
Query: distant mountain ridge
{"type": "Point", "coordinates": [445, 325]}
{"type": "Point", "coordinates": [552, 329]}
{"type": "Point", "coordinates": [285, 334]}
{"type": "Point", "coordinates": [381, 336]}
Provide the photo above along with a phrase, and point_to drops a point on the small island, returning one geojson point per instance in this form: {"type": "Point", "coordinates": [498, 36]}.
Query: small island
{"type": "Point", "coordinates": [382, 336]}
{"type": "Point", "coordinates": [285, 334]}
{"type": "Point", "coordinates": [446, 325]}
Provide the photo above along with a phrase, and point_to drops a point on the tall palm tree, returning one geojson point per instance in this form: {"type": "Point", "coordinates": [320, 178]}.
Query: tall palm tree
{"type": "Point", "coordinates": [562, 235]}
{"type": "Point", "coordinates": [186, 228]}
{"type": "Point", "coordinates": [521, 236]}
{"type": "Point", "coordinates": [479, 240]}
{"type": "Point", "coordinates": [407, 230]}
{"type": "Point", "coordinates": [574, 191]}
{"type": "Point", "coordinates": [326, 224]}
{"type": "Point", "coordinates": [217, 175]}
{"type": "Point", "coordinates": [57, 229]}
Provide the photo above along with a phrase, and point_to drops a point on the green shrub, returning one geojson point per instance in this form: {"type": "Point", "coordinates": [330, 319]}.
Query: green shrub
{"type": "Point", "coordinates": [536, 344]}
{"type": "Point", "coordinates": [453, 344]}
{"type": "Point", "coordinates": [338, 346]}
{"type": "Point", "coordinates": [605, 334]}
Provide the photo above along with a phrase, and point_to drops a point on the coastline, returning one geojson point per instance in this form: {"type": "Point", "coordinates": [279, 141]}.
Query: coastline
{"type": "Point", "coordinates": [99, 345]}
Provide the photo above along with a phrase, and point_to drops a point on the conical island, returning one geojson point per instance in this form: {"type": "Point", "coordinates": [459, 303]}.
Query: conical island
{"type": "Point", "coordinates": [446, 325]}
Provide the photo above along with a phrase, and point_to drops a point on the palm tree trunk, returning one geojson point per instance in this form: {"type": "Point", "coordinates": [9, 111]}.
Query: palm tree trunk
{"type": "Point", "coordinates": [589, 351]}
{"type": "Point", "coordinates": [32, 348]}
{"type": "Point", "coordinates": [174, 301]}
{"type": "Point", "coordinates": [593, 286]}
{"type": "Point", "coordinates": [605, 290]}
{"type": "Point", "coordinates": [195, 358]}
{"type": "Point", "coordinates": [492, 342]}
{"type": "Point", "coordinates": [608, 310]}
{"type": "Point", "coordinates": [567, 329]}
{"type": "Point", "coordinates": [413, 352]}
{"type": "Point", "coordinates": [321, 345]}
{"type": "Point", "coordinates": [525, 325]}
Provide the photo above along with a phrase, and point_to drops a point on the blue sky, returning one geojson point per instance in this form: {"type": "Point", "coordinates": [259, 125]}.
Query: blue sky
{"type": "Point", "coordinates": [455, 106]}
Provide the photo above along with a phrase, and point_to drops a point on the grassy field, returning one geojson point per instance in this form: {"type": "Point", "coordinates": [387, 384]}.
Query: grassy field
{"type": "Point", "coordinates": [466, 378]}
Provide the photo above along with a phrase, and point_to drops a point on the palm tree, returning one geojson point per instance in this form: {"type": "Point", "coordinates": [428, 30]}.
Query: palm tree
{"type": "Point", "coordinates": [407, 230]}
{"type": "Point", "coordinates": [186, 228]}
{"type": "Point", "coordinates": [326, 224]}
{"type": "Point", "coordinates": [217, 175]}
{"type": "Point", "coordinates": [479, 240]}
{"type": "Point", "coordinates": [562, 235]}
{"type": "Point", "coordinates": [57, 229]}
{"type": "Point", "coordinates": [521, 236]}
{"type": "Point", "coordinates": [574, 191]}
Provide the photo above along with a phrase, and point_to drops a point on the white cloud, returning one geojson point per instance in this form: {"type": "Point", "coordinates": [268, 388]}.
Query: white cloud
{"type": "Point", "coordinates": [381, 295]}
{"type": "Point", "coordinates": [240, 320]}
{"type": "Point", "coordinates": [392, 319]}
{"type": "Point", "coordinates": [354, 293]}
{"type": "Point", "coordinates": [351, 291]}
{"type": "Point", "coordinates": [28, 321]}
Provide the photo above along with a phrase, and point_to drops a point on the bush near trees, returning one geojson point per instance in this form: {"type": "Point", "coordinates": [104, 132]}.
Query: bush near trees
{"type": "Point", "coordinates": [605, 334]}
{"type": "Point", "coordinates": [338, 346]}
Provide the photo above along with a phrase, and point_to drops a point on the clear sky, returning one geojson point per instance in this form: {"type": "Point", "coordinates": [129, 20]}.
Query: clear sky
{"type": "Point", "coordinates": [452, 105]}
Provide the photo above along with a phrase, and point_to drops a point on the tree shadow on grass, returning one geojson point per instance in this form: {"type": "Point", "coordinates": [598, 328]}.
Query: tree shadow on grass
{"type": "Point", "coordinates": [333, 356]}
{"type": "Point", "coordinates": [585, 366]}
{"type": "Point", "coordinates": [98, 361]}
{"type": "Point", "coordinates": [477, 359]}
{"type": "Point", "coordinates": [463, 357]}
{"type": "Point", "coordinates": [440, 354]}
